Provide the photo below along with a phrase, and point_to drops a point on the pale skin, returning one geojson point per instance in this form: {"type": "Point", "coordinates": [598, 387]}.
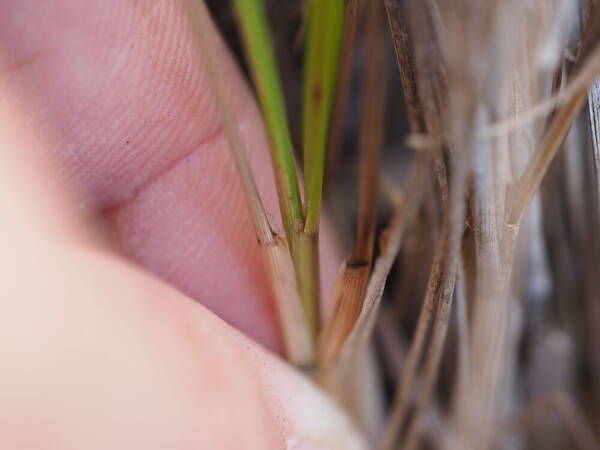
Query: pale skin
{"type": "Point", "coordinates": [128, 258]}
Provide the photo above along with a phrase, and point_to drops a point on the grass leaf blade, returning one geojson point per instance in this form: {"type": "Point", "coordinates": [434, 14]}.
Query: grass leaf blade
{"type": "Point", "coordinates": [259, 49]}
{"type": "Point", "coordinates": [324, 37]}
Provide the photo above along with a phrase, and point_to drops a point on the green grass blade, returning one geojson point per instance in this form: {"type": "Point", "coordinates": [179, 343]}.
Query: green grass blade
{"type": "Point", "coordinates": [324, 37]}
{"type": "Point", "coordinates": [259, 50]}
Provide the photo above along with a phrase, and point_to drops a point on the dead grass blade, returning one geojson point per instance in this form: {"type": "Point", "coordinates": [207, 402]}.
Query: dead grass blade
{"type": "Point", "coordinates": [563, 405]}
{"type": "Point", "coordinates": [588, 63]}
{"type": "Point", "coordinates": [354, 348]}
{"type": "Point", "coordinates": [340, 102]}
{"type": "Point", "coordinates": [594, 113]}
{"type": "Point", "coordinates": [351, 285]}
{"type": "Point", "coordinates": [463, 330]}
{"type": "Point", "coordinates": [402, 395]}
{"type": "Point", "coordinates": [406, 65]}
{"type": "Point", "coordinates": [371, 139]}
{"type": "Point", "coordinates": [354, 273]}
{"type": "Point", "coordinates": [436, 348]}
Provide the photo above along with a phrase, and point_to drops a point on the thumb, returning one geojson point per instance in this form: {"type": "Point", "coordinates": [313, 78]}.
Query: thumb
{"type": "Point", "coordinates": [97, 354]}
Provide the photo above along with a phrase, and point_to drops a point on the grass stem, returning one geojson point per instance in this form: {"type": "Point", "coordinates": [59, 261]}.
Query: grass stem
{"type": "Point", "coordinates": [298, 345]}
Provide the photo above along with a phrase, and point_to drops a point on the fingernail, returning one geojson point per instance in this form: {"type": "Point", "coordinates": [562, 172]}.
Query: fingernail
{"type": "Point", "coordinates": [295, 444]}
{"type": "Point", "coordinates": [307, 418]}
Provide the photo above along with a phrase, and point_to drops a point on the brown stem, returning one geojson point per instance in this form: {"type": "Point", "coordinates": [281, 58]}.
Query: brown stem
{"type": "Point", "coordinates": [340, 104]}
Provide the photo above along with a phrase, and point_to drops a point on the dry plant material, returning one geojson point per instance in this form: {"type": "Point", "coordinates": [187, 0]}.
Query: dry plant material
{"type": "Point", "coordinates": [594, 112]}
{"type": "Point", "coordinates": [354, 348]}
{"type": "Point", "coordinates": [438, 339]}
{"type": "Point", "coordinates": [340, 104]}
{"type": "Point", "coordinates": [355, 271]}
{"type": "Point", "coordinates": [420, 104]}
{"type": "Point", "coordinates": [462, 314]}
{"type": "Point", "coordinates": [406, 65]}
{"type": "Point", "coordinates": [561, 404]}
{"type": "Point", "coordinates": [580, 82]}
{"type": "Point", "coordinates": [588, 63]}
{"type": "Point", "coordinates": [404, 389]}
